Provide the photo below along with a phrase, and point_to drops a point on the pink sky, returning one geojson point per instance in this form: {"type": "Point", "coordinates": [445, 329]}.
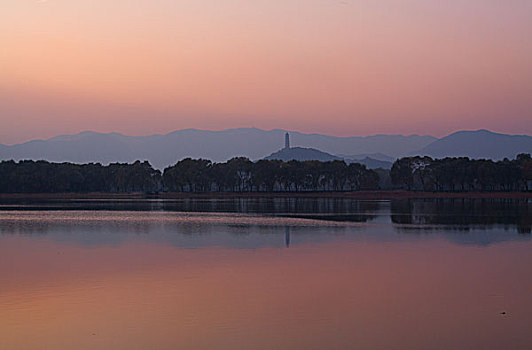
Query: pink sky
{"type": "Point", "coordinates": [338, 67]}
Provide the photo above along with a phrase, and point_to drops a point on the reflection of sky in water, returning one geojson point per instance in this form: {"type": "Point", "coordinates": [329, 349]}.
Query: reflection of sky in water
{"type": "Point", "coordinates": [368, 275]}
{"type": "Point", "coordinates": [236, 205]}
{"type": "Point", "coordinates": [178, 229]}
{"type": "Point", "coordinates": [237, 230]}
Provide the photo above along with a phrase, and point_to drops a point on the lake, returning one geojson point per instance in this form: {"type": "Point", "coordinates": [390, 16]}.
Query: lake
{"type": "Point", "coordinates": [266, 273]}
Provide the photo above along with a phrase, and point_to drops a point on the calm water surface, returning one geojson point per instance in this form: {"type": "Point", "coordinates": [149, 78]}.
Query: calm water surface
{"type": "Point", "coordinates": [266, 274]}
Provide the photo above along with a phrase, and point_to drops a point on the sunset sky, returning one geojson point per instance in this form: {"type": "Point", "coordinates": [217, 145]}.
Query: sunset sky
{"type": "Point", "coordinates": [351, 67]}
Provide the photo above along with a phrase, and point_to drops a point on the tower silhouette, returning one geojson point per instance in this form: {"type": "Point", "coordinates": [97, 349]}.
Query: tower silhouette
{"type": "Point", "coordinates": [286, 141]}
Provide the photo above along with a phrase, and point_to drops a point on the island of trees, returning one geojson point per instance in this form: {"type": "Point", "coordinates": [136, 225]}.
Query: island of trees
{"type": "Point", "coordinates": [463, 174]}
{"type": "Point", "coordinates": [188, 175]}
{"type": "Point", "coordinates": [242, 175]}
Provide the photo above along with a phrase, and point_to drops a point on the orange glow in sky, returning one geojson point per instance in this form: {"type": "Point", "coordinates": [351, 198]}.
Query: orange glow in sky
{"type": "Point", "coordinates": [353, 67]}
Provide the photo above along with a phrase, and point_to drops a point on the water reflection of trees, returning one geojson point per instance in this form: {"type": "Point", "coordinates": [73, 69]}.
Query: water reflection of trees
{"type": "Point", "coordinates": [463, 213]}
{"type": "Point", "coordinates": [333, 209]}
{"type": "Point", "coordinates": [337, 209]}
{"type": "Point", "coordinates": [274, 205]}
{"type": "Point", "coordinates": [180, 230]}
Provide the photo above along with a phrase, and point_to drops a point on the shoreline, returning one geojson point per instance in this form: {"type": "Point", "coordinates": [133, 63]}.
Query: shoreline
{"type": "Point", "coordinates": [368, 195]}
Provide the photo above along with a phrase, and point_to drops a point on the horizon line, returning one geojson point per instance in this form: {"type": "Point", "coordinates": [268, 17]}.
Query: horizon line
{"type": "Point", "coordinates": [249, 128]}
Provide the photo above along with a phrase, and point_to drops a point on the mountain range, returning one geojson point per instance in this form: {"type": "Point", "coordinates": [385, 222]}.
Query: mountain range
{"type": "Point", "coordinates": [166, 149]}
{"type": "Point", "coordinates": [478, 144]}
{"type": "Point", "coordinates": [302, 154]}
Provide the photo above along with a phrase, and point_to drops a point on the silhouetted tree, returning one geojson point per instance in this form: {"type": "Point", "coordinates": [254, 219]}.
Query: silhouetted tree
{"type": "Point", "coordinates": [242, 175]}
{"type": "Point", "coordinates": [463, 174]}
{"type": "Point", "coordinates": [44, 177]}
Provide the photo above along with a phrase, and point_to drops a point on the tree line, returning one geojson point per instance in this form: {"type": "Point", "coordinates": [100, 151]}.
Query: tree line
{"type": "Point", "coordinates": [44, 177]}
{"type": "Point", "coordinates": [242, 175]}
{"type": "Point", "coordinates": [188, 175]}
{"type": "Point", "coordinates": [463, 174]}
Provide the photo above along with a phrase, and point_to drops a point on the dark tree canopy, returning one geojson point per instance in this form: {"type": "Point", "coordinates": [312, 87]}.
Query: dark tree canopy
{"type": "Point", "coordinates": [463, 174]}
{"type": "Point", "coordinates": [242, 175]}
{"type": "Point", "coordinates": [44, 177]}
{"type": "Point", "coordinates": [188, 175]}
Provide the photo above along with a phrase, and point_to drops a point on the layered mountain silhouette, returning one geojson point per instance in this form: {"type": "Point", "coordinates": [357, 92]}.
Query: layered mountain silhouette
{"type": "Point", "coordinates": [376, 156]}
{"type": "Point", "coordinates": [478, 144]}
{"type": "Point", "coordinates": [166, 149]}
{"type": "Point", "coordinates": [303, 154]}
{"type": "Point", "coordinates": [163, 150]}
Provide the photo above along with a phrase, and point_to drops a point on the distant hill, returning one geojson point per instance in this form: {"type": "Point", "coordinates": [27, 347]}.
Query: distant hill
{"type": "Point", "coordinates": [478, 144]}
{"type": "Point", "coordinates": [162, 150]}
{"type": "Point", "coordinates": [376, 156]}
{"type": "Point", "coordinates": [371, 163]}
{"type": "Point", "coordinates": [301, 154]}
{"type": "Point", "coordinates": [166, 149]}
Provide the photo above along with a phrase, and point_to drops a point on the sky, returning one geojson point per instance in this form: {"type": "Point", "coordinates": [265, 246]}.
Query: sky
{"type": "Point", "coordinates": [346, 68]}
